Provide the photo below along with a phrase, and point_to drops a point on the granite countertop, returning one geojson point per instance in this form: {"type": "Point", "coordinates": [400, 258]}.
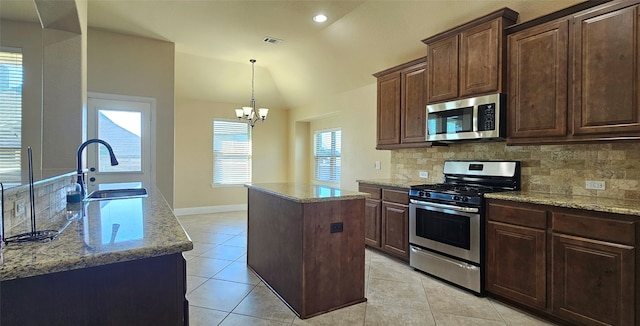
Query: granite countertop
{"type": "Point", "coordinates": [608, 205]}
{"type": "Point", "coordinates": [393, 182]}
{"type": "Point", "coordinates": [99, 233]}
{"type": "Point", "coordinates": [306, 193]}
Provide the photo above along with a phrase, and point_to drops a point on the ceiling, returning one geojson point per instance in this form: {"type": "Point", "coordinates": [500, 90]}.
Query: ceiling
{"type": "Point", "coordinates": [215, 39]}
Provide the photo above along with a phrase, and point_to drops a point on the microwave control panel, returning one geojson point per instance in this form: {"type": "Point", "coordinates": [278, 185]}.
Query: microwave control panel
{"type": "Point", "coordinates": [487, 117]}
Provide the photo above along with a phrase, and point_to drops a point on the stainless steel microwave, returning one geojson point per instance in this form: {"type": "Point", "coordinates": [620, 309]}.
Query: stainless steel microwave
{"type": "Point", "coordinates": [475, 118]}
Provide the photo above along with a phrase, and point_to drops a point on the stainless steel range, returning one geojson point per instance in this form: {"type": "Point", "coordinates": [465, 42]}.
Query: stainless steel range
{"type": "Point", "coordinates": [446, 221]}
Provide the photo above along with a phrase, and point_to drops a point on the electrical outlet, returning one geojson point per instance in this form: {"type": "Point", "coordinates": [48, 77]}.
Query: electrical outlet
{"type": "Point", "coordinates": [377, 165]}
{"type": "Point", "coordinates": [424, 174]}
{"type": "Point", "coordinates": [20, 207]}
{"type": "Point", "coordinates": [336, 227]}
{"type": "Point", "coordinates": [597, 185]}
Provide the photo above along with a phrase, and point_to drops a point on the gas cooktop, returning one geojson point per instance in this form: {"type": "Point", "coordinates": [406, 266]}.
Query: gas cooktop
{"type": "Point", "coordinates": [467, 181]}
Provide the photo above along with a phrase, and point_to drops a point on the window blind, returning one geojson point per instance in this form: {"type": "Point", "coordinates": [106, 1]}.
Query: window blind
{"type": "Point", "coordinates": [11, 80]}
{"type": "Point", "coordinates": [327, 152]}
{"type": "Point", "coordinates": [231, 152]}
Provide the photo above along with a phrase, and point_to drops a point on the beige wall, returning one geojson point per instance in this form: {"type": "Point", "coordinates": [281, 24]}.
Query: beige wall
{"type": "Point", "coordinates": [354, 112]}
{"type": "Point", "coordinates": [135, 66]}
{"type": "Point", "coordinates": [194, 156]}
{"type": "Point", "coordinates": [64, 98]}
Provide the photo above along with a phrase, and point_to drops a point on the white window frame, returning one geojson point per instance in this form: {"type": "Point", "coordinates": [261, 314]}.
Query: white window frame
{"type": "Point", "coordinates": [10, 173]}
{"type": "Point", "coordinates": [334, 150]}
{"type": "Point", "coordinates": [232, 152]}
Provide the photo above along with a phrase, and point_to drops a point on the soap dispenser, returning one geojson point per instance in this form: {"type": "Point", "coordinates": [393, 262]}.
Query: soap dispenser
{"type": "Point", "coordinates": [73, 191]}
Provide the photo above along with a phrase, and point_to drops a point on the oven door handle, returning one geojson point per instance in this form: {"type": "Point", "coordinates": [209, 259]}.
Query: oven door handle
{"type": "Point", "coordinates": [445, 206]}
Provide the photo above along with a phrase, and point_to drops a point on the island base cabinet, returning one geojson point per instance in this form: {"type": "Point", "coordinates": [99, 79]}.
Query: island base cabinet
{"type": "Point", "coordinates": [311, 254]}
{"type": "Point", "coordinates": [148, 291]}
{"type": "Point", "coordinates": [593, 281]}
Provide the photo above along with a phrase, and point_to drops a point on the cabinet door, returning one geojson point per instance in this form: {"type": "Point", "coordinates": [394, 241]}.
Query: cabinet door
{"type": "Point", "coordinates": [389, 109]}
{"type": "Point", "coordinates": [593, 281]}
{"type": "Point", "coordinates": [442, 80]}
{"type": "Point", "coordinates": [372, 222]}
{"type": "Point", "coordinates": [479, 55]}
{"type": "Point", "coordinates": [395, 229]}
{"type": "Point", "coordinates": [538, 72]}
{"type": "Point", "coordinates": [414, 101]}
{"type": "Point", "coordinates": [606, 71]}
{"type": "Point", "coordinates": [516, 260]}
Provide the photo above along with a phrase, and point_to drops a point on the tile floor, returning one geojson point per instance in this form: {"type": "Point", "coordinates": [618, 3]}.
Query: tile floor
{"type": "Point", "coordinates": [222, 291]}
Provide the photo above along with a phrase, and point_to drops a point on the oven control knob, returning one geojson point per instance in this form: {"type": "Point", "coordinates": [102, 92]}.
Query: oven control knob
{"type": "Point", "coordinates": [455, 197]}
{"type": "Point", "coordinates": [427, 194]}
{"type": "Point", "coordinates": [464, 199]}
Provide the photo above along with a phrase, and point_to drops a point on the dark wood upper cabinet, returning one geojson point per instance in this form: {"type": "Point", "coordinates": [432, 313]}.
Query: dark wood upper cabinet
{"type": "Point", "coordinates": [480, 58]}
{"type": "Point", "coordinates": [442, 79]}
{"type": "Point", "coordinates": [402, 93]}
{"type": "Point", "coordinates": [606, 71]}
{"type": "Point", "coordinates": [538, 72]}
{"type": "Point", "coordinates": [413, 104]}
{"type": "Point", "coordinates": [575, 77]}
{"type": "Point", "coordinates": [389, 109]}
{"type": "Point", "coordinates": [468, 60]}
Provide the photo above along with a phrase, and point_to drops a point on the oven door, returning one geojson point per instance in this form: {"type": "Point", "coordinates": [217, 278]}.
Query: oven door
{"type": "Point", "coordinates": [448, 229]}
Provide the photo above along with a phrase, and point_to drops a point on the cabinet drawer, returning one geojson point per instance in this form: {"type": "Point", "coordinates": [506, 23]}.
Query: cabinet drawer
{"type": "Point", "coordinates": [606, 229]}
{"type": "Point", "coordinates": [523, 215]}
{"type": "Point", "coordinates": [396, 196]}
{"type": "Point", "coordinates": [373, 191]}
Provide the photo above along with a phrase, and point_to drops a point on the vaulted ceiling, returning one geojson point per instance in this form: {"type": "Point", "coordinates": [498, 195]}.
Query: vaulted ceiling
{"type": "Point", "coordinates": [215, 39]}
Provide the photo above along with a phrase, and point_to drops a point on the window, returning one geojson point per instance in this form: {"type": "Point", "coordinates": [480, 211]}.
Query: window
{"type": "Point", "coordinates": [327, 150]}
{"type": "Point", "coordinates": [11, 80]}
{"type": "Point", "coordinates": [231, 152]}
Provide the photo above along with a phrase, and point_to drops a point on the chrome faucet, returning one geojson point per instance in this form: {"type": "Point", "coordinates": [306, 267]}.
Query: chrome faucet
{"type": "Point", "coordinates": [80, 179]}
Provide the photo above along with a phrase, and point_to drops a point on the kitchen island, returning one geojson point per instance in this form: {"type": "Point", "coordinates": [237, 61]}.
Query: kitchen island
{"type": "Point", "coordinates": [115, 262]}
{"type": "Point", "coordinates": [306, 243]}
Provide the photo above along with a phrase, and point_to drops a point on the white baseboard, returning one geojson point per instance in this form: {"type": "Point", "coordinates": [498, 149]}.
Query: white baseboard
{"type": "Point", "coordinates": [209, 209]}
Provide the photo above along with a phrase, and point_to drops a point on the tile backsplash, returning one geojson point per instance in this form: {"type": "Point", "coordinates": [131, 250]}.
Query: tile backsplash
{"type": "Point", "coordinates": [49, 200]}
{"type": "Point", "coordinates": [555, 169]}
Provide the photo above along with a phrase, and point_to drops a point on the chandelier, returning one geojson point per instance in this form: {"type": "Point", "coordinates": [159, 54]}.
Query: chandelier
{"type": "Point", "coordinates": [249, 112]}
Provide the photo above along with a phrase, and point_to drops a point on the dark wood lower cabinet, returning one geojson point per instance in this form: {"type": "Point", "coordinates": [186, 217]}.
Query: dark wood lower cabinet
{"type": "Point", "coordinates": [148, 291]}
{"type": "Point", "coordinates": [395, 227]}
{"type": "Point", "coordinates": [372, 221]}
{"type": "Point", "coordinates": [516, 260]}
{"type": "Point", "coordinates": [579, 267]}
{"type": "Point", "coordinates": [386, 221]}
{"type": "Point", "coordinates": [593, 281]}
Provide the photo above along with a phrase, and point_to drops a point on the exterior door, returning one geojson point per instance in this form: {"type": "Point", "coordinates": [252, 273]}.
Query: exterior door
{"type": "Point", "coordinates": [126, 124]}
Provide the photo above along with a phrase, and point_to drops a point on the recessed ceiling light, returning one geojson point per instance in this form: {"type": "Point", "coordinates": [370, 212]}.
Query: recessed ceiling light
{"type": "Point", "coordinates": [320, 18]}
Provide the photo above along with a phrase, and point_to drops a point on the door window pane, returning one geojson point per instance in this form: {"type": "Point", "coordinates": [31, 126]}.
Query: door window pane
{"type": "Point", "coordinates": [122, 130]}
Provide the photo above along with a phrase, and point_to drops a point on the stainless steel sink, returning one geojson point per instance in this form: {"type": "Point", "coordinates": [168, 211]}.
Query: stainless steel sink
{"type": "Point", "coordinates": [117, 194]}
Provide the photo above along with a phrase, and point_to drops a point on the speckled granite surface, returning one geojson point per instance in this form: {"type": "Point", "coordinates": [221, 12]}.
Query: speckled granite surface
{"type": "Point", "coordinates": [620, 206]}
{"type": "Point", "coordinates": [99, 233]}
{"type": "Point", "coordinates": [305, 193]}
{"type": "Point", "coordinates": [399, 183]}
